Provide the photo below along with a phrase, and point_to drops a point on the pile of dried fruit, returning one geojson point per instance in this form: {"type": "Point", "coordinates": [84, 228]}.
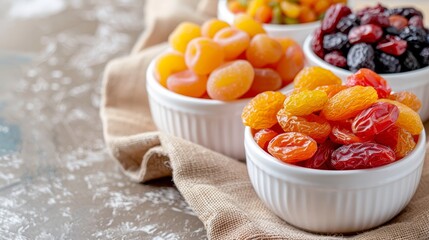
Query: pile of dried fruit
{"type": "Point", "coordinates": [323, 124]}
{"type": "Point", "coordinates": [224, 62]}
{"type": "Point", "coordinates": [283, 11]}
{"type": "Point", "coordinates": [384, 40]}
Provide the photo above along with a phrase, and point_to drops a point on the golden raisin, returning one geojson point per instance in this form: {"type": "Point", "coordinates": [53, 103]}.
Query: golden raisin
{"type": "Point", "coordinates": [408, 119]}
{"type": "Point", "coordinates": [261, 111]}
{"type": "Point", "coordinates": [407, 98]}
{"type": "Point", "coordinates": [305, 102]}
{"type": "Point", "coordinates": [331, 90]}
{"type": "Point", "coordinates": [312, 77]}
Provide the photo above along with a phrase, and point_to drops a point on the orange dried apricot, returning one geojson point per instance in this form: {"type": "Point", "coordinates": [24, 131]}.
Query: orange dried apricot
{"type": "Point", "coordinates": [349, 102]}
{"type": "Point", "coordinates": [312, 77]}
{"type": "Point", "coordinates": [233, 41]}
{"type": "Point", "coordinates": [182, 35]}
{"type": "Point", "coordinates": [292, 147]}
{"type": "Point", "coordinates": [230, 80]}
{"type": "Point", "coordinates": [248, 24]}
{"type": "Point", "coordinates": [264, 136]}
{"type": "Point", "coordinates": [305, 102]}
{"type": "Point", "coordinates": [291, 63]}
{"type": "Point", "coordinates": [261, 111]}
{"type": "Point", "coordinates": [212, 26]}
{"type": "Point", "coordinates": [203, 55]}
{"type": "Point", "coordinates": [408, 119]}
{"type": "Point", "coordinates": [266, 79]}
{"type": "Point", "coordinates": [187, 83]}
{"type": "Point", "coordinates": [167, 64]}
{"type": "Point", "coordinates": [312, 125]}
{"type": "Point", "coordinates": [263, 50]}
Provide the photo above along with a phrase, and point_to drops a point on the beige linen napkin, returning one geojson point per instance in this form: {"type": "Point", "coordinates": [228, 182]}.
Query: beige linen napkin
{"type": "Point", "coordinates": [216, 187]}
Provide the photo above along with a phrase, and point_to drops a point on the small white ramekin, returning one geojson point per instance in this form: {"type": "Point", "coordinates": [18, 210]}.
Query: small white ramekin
{"type": "Point", "coordinates": [416, 81]}
{"type": "Point", "coordinates": [326, 201]}
{"type": "Point", "coordinates": [298, 32]}
{"type": "Point", "coordinates": [213, 124]}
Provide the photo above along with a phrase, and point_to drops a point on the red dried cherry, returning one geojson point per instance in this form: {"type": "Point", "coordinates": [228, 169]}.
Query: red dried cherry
{"type": "Point", "coordinates": [317, 43]}
{"type": "Point", "coordinates": [333, 15]}
{"type": "Point", "coordinates": [368, 33]}
{"type": "Point", "coordinates": [336, 58]}
{"type": "Point", "coordinates": [361, 156]}
{"type": "Point", "coordinates": [342, 133]}
{"type": "Point", "coordinates": [322, 157]}
{"type": "Point", "coordinates": [375, 119]}
{"type": "Point", "coordinates": [366, 77]}
{"type": "Point", "coordinates": [392, 45]}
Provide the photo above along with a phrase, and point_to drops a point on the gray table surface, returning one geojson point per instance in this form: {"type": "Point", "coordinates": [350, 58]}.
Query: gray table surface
{"type": "Point", "coordinates": [56, 178]}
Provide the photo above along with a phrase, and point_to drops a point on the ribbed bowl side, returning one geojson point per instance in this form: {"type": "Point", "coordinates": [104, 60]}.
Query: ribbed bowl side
{"type": "Point", "coordinates": [331, 210]}
{"type": "Point", "coordinates": [222, 132]}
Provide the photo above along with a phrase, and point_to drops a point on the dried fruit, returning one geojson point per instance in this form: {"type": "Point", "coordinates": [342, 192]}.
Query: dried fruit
{"type": "Point", "coordinates": [187, 83]}
{"type": "Point", "coordinates": [321, 159]}
{"type": "Point", "coordinates": [415, 36]}
{"type": "Point", "coordinates": [349, 102]}
{"type": "Point", "coordinates": [311, 77]}
{"type": "Point", "coordinates": [398, 139]}
{"type": "Point", "coordinates": [167, 64]}
{"type": "Point", "coordinates": [248, 24]}
{"type": "Point", "coordinates": [368, 33]}
{"type": "Point", "coordinates": [317, 43]}
{"type": "Point", "coordinates": [342, 133]}
{"type": "Point", "coordinates": [424, 55]}
{"type": "Point", "coordinates": [336, 58]}
{"type": "Point", "coordinates": [333, 15]}
{"type": "Point", "coordinates": [212, 26]}
{"type": "Point", "coordinates": [264, 136]}
{"type": "Point", "coordinates": [375, 119]}
{"type": "Point", "coordinates": [387, 63]}
{"type": "Point", "coordinates": [408, 119]}
{"type": "Point", "coordinates": [361, 156]}
{"type": "Point", "coordinates": [265, 79]}
{"type": "Point", "coordinates": [312, 125]}
{"type": "Point", "coordinates": [182, 35]}
{"type": "Point", "coordinates": [367, 77]}
{"type": "Point", "coordinates": [230, 80]}
{"type": "Point", "coordinates": [331, 90]}
{"type": "Point", "coordinates": [377, 9]}
{"type": "Point", "coordinates": [416, 21]}
{"type": "Point", "coordinates": [261, 111]}
{"type": "Point", "coordinates": [203, 55]}
{"type": "Point", "coordinates": [378, 19]}
{"type": "Point", "coordinates": [398, 21]}
{"type": "Point", "coordinates": [291, 63]}
{"type": "Point", "coordinates": [292, 147]}
{"type": "Point", "coordinates": [263, 50]}
{"type": "Point", "coordinates": [348, 22]}
{"type": "Point", "coordinates": [233, 41]}
{"type": "Point", "coordinates": [410, 62]}
{"type": "Point", "coordinates": [405, 12]}
{"type": "Point", "coordinates": [361, 56]}
{"type": "Point", "coordinates": [409, 99]}
{"type": "Point", "coordinates": [335, 41]}
{"type": "Point", "coordinates": [392, 45]}
{"type": "Point", "coordinates": [305, 102]}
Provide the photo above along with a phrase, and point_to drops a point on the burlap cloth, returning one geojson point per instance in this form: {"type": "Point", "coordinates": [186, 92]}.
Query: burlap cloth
{"type": "Point", "coordinates": [216, 187]}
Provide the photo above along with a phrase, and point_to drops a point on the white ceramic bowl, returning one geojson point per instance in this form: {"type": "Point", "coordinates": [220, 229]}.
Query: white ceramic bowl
{"type": "Point", "coordinates": [334, 201]}
{"type": "Point", "coordinates": [298, 32]}
{"type": "Point", "coordinates": [213, 124]}
{"type": "Point", "coordinates": [415, 81]}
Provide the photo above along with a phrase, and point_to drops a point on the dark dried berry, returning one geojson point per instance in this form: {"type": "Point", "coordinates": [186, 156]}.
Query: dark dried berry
{"type": "Point", "coordinates": [398, 21]}
{"type": "Point", "coordinates": [348, 22]}
{"type": "Point", "coordinates": [424, 56]}
{"type": "Point", "coordinates": [393, 45]}
{"type": "Point", "coordinates": [368, 33]}
{"type": "Point", "coordinates": [333, 15]}
{"type": "Point", "coordinates": [392, 31]}
{"type": "Point", "coordinates": [361, 56]}
{"type": "Point", "coordinates": [371, 10]}
{"type": "Point", "coordinates": [416, 21]}
{"type": "Point", "coordinates": [406, 12]}
{"type": "Point", "coordinates": [317, 43]}
{"type": "Point", "coordinates": [336, 58]}
{"type": "Point", "coordinates": [409, 62]}
{"type": "Point", "coordinates": [378, 19]}
{"type": "Point", "coordinates": [335, 41]}
{"type": "Point", "coordinates": [387, 63]}
{"type": "Point", "coordinates": [415, 36]}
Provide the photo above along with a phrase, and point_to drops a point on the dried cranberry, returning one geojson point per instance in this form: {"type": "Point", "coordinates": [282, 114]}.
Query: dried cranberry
{"type": "Point", "coordinates": [379, 19]}
{"type": "Point", "coordinates": [335, 41]}
{"type": "Point", "coordinates": [317, 43]}
{"type": "Point", "coordinates": [371, 10]}
{"type": "Point", "coordinates": [361, 156]}
{"type": "Point", "coordinates": [416, 21]}
{"type": "Point", "coordinates": [424, 56]}
{"type": "Point", "coordinates": [375, 119]}
{"type": "Point", "coordinates": [333, 15]}
{"type": "Point", "coordinates": [386, 63]}
{"type": "Point", "coordinates": [398, 21]}
{"type": "Point", "coordinates": [368, 33]}
{"type": "Point", "coordinates": [366, 77]}
{"type": "Point", "coordinates": [336, 58]}
{"type": "Point", "coordinates": [405, 12]}
{"type": "Point", "coordinates": [409, 62]}
{"type": "Point", "coordinates": [348, 22]}
{"type": "Point", "coordinates": [361, 56]}
{"type": "Point", "coordinates": [392, 45]}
